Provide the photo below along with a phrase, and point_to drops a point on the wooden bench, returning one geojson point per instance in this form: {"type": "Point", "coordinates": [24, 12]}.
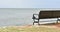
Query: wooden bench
{"type": "Point", "coordinates": [46, 14]}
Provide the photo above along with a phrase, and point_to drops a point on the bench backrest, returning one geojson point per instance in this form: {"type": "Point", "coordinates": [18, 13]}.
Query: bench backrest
{"type": "Point", "coordinates": [49, 14]}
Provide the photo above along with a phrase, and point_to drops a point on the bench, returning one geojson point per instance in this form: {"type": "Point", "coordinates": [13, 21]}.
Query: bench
{"type": "Point", "coordinates": [46, 14]}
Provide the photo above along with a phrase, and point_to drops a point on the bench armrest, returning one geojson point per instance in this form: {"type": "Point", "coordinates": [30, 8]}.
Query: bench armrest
{"type": "Point", "coordinates": [34, 16]}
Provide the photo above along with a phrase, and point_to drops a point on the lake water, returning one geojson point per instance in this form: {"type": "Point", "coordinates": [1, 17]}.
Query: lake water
{"type": "Point", "coordinates": [16, 16]}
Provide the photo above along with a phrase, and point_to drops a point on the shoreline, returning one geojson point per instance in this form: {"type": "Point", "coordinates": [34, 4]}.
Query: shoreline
{"type": "Point", "coordinates": [30, 26]}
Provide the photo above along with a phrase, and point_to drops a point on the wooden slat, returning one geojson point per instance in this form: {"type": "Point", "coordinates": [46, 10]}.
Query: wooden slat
{"type": "Point", "coordinates": [49, 14]}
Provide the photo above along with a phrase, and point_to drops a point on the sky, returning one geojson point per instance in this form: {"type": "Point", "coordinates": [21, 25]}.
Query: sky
{"type": "Point", "coordinates": [29, 3]}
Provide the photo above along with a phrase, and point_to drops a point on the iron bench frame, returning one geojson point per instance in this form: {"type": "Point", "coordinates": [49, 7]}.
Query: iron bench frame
{"type": "Point", "coordinates": [34, 18]}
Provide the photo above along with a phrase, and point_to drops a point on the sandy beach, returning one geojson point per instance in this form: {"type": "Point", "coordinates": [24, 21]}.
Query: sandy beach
{"type": "Point", "coordinates": [32, 28]}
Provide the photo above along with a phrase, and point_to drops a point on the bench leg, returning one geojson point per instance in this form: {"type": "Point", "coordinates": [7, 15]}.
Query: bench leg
{"type": "Point", "coordinates": [57, 22]}
{"type": "Point", "coordinates": [33, 23]}
{"type": "Point", "coordinates": [38, 22]}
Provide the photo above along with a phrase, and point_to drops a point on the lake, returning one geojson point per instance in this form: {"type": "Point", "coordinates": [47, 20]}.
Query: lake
{"type": "Point", "coordinates": [17, 16]}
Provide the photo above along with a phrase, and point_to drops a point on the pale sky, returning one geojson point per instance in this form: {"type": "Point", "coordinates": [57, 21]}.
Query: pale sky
{"type": "Point", "coordinates": [29, 3]}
